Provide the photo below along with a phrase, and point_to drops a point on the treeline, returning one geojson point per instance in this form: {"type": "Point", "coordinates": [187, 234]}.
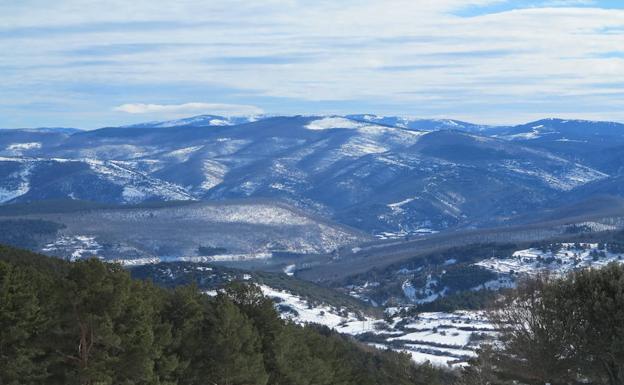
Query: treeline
{"type": "Point", "coordinates": [90, 323]}
{"type": "Point", "coordinates": [463, 300]}
{"type": "Point", "coordinates": [212, 276]}
{"type": "Point", "coordinates": [452, 268]}
{"type": "Point", "coordinates": [27, 233]}
{"type": "Point", "coordinates": [558, 331]}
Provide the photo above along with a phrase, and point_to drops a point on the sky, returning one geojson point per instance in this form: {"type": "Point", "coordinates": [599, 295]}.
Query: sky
{"type": "Point", "coordinates": [89, 64]}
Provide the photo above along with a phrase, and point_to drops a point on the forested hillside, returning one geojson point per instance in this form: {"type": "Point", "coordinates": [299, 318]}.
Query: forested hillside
{"type": "Point", "coordinates": [88, 322]}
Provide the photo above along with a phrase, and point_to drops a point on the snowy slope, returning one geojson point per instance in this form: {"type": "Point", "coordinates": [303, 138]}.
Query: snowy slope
{"type": "Point", "coordinates": [240, 231]}
{"type": "Point", "coordinates": [24, 179]}
{"type": "Point", "coordinates": [389, 176]}
{"type": "Point", "coordinates": [443, 339]}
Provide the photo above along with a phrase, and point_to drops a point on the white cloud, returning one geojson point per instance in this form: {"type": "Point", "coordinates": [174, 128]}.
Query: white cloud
{"type": "Point", "coordinates": [567, 3]}
{"type": "Point", "coordinates": [417, 55]}
{"type": "Point", "coordinates": [189, 108]}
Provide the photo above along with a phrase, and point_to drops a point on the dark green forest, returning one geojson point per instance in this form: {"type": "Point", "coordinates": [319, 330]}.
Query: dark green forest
{"type": "Point", "coordinates": [27, 233]}
{"type": "Point", "coordinates": [88, 322]}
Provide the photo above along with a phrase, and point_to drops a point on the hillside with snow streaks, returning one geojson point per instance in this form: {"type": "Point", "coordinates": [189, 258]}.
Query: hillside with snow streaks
{"type": "Point", "coordinates": [388, 176]}
{"type": "Point", "coordinates": [241, 231]}
{"type": "Point", "coordinates": [25, 179]}
{"type": "Point", "coordinates": [443, 339]}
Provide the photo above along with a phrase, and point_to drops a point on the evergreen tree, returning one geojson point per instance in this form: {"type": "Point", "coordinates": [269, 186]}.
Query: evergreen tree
{"type": "Point", "coordinates": [88, 323]}
{"type": "Point", "coordinates": [232, 350]}
{"type": "Point", "coordinates": [22, 321]}
{"type": "Point", "coordinates": [261, 311]}
{"type": "Point", "coordinates": [90, 299]}
{"type": "Point", "coordinates": [296, 363]}
{"type": "Point", "coordinates": [593, 300]}
{"type": "Point", "coordinates": [184, 311]}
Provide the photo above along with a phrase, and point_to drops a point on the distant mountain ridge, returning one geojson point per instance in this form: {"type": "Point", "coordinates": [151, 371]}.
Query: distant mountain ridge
{"type": "Point", "coordinates": [386, 175]}
{"type": "Point", "coordinates": [200, 121]}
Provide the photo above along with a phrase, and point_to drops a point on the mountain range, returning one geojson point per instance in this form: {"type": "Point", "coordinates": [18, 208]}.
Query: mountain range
{"type": "Point", "coordinates": [384, 175]}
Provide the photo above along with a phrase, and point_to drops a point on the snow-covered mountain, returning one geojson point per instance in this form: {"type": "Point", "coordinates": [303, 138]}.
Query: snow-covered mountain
{"type": "Point", "coordinates": [31, 179]}
{"type": "Point", "coordinates": [200, 121]}
{"type": "Point", "coordinates": [385, 175]}
{"type": "Point", "coordinates": [561, 130]}
{"type": "Point", "coordinates": [420, 124]}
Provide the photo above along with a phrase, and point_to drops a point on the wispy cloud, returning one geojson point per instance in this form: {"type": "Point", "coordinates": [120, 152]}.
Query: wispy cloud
{"type": "Point", "coordinates": [567, 3]}
{"type": "Point", "coordinates": [189, 108]}
{"type": "Point", "coordinates": [484, 59]}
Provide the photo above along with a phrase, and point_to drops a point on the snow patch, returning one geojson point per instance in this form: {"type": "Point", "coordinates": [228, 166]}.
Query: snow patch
{"type": "Point", "coordinates": [183, 154]}
{"type": "Point", "coordinates": [558, 262]}
{"type": "Point", "coordinates": [20, 182]}
{"type": "Point", "coordinates": [301, 311]}
{"type": "Point", "coordinates": [333, 122]}
{"type": "Point", "coordinates": [213, 174]}
{"type": "Point", "coordinates": [76, 246]}
{"type": "Point", "coordinates": [23, 146]}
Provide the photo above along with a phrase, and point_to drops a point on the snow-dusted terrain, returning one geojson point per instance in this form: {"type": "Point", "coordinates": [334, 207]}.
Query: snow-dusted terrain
{"type": "Point", "coordinates": [74, 247]}
{"type": "Point", "coordinates": [301, 311]}
{"type": "Point", "coordinates": [443, 338]}
{"type": "Point", "coordinates": [440, 338]}
{"type": "Point", "coordinates": [386, 175]}
{"type": "Point", "coordinates": [446, 338]}
{"type": "Point", "coordinates": [250, 230]}
{"type": "Point", "coordinates": [562, 259]}
{"type": "Point", "coordinates": [278, 191]}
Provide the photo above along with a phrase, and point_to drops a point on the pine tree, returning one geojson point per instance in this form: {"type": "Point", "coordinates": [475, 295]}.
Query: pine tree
{"type": "Point", "coordinates": [232, 348]}
{"type": "Point", "coordinates": [91, 299]}
{"type": "Point", "coordinates": [88, 323]}
{"type": "Point", "coordinates": [184, 310]}
{"type": "Point", "coordinates": [22, 320]}
{"type": "Point", "coordinates": [136, 327]}
{"type": "Point", "coordinates": [296, 364]}
{"type": "Point", "coordinates": [261, 311]}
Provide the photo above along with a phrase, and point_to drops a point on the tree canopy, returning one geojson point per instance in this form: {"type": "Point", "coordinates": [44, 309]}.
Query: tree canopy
{"type": "Point", "coordinates": [560, 331]}
{"type": "Point", "coordinates": [88, 322]}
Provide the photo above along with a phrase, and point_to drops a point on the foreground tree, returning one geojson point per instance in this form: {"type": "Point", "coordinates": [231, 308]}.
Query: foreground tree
{"type": "Point", "coordinates": [22, 322]}
{"type": "Point", "coordinates": [563, 331]}
{"type": "Point", "coordinates": [233, 355]}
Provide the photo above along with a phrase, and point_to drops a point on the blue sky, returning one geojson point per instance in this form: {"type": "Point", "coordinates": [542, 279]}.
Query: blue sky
{"type": "Point", "coordinates": [92, 64]}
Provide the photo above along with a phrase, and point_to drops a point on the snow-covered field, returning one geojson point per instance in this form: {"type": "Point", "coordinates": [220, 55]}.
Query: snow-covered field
{"type": "Point", "coordinates": [443, 338]}
{"type": "Point", "coordinates": [568, 257]}
{"type": "Point", "coordinates": [405, 233]}
{"type": "Point", "coordinates": [440, 338]}
{"type": "Point", "coordinates": [77, 247]}
{"type": "Point", "coordinates": [301, 311]}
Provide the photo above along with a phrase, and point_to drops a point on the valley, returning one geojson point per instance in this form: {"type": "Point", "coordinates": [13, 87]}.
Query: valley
{"type": "Point", "coordinates": [397, 232]}
{"type": "Point", "coordinates": [312, 192]}
{"type": "Point", "coordinates": [433, 308]}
